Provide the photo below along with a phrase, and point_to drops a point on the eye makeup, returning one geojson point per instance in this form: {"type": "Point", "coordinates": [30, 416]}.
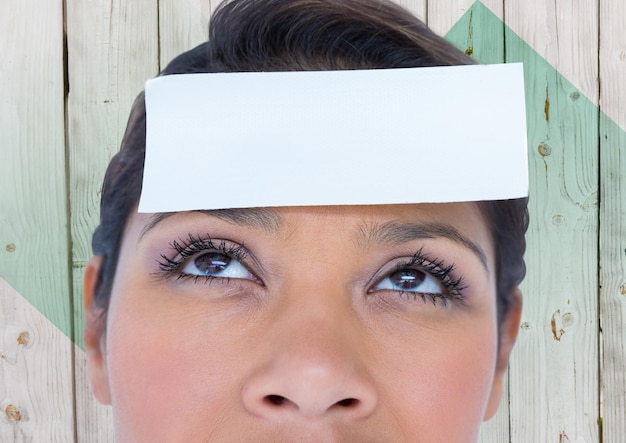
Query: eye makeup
{"type": "Point", "coordinates": [210, 259]}
{"type": "Point", "coordinates": [420, 277]}
{"type": "Point", "coordinates": [426, 273]}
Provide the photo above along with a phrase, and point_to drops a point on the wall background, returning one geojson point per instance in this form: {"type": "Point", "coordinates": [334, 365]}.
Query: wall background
{"type": "Point", "coordinates": [70, 70]}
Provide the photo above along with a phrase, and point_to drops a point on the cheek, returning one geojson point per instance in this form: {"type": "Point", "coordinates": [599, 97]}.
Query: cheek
{"type": "Point", "coordinates": [176, 371]}
{"type": "Point", "coordinates": [440, 390]}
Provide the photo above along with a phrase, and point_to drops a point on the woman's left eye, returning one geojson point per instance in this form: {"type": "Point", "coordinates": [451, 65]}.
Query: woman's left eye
{"type": "Point", "coordinates": [411, 280]}
{"type": "Point", "coordinates": [216, 264]}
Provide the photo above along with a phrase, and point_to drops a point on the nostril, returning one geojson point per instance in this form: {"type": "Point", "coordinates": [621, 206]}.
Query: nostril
{"type": "Point", "coordinates": [348, 402]}
{"type": "Point", "coordinates": [275, 400]}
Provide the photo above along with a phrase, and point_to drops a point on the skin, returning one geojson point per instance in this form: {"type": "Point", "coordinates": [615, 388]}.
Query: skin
{"type": "Point", "coordinates": [309, 340]}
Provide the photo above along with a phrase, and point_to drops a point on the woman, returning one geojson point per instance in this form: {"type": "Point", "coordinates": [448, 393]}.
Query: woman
{"type": "Point", "coordinates": [314, 323]}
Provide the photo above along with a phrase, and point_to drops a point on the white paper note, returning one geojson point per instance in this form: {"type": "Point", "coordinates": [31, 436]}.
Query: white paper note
{"type": "Point", "coordinates": [413, 135]}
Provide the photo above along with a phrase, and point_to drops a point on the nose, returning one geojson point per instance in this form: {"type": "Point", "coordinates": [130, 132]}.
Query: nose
{"type": "Point", "coordinates": [311, 370]}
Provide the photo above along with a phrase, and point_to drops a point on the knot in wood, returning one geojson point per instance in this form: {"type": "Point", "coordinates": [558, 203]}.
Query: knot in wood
{"type": "Point", "coordinates": [13, 413]}
{"type": "Point", "coordinates": [544, 149]}
{"type": "Point", "coordinates": [23, 338]}
{"type": "Point", "coordinates": [526, 326]}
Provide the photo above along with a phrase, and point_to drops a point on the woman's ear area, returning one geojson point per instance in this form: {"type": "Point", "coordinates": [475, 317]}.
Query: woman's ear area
{"type": "Point", "coordinates": [95, 329]}
{"type": "Point", "coordinates": [508, 334]}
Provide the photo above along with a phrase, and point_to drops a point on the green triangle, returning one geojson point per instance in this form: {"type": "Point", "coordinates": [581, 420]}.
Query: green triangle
{"type": "Point", "coordinates": [564, 126]}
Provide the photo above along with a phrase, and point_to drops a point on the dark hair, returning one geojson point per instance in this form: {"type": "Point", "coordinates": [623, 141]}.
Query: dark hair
{"type": "Point", "coordinates": [285, 35]}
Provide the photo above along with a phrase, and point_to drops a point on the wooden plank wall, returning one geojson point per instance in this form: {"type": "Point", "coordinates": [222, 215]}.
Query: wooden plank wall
{"type": "Point", "coordinates": [70, 71]}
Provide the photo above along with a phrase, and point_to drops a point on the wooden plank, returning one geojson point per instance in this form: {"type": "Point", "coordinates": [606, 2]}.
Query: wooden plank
{"type": "Point", "coordinates": [612, 215]}
{"type": "Point", "coordinates": [36, 398]}
{"type": "Point", "coordinates": [480, 33]}
{"type": "Point", "coordinates": [94, 421]}
{"type": "Point", "coordinates": [497, 429]}
{"type": "Point", "coordinates": [35, 374]}
{"type": "Point", "coordinates": [33, 211]}
{"type": "Point", "coordinates": [182, 26]}
{"type": "Point", "coordinates": [417, 7]}
{"type": "Point", "coordinates": [112, 50]}
{"type": "Point", "coordinates": [444, 14]}
{"type": "Point", "coordinates": [572, 48]}
{"type": "Point", "coordinates": [554, 370]}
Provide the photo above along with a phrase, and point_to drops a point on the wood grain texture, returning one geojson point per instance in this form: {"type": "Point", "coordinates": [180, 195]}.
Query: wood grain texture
{"type": "Point", "coordinates": [36, 394]}
{"type": "Point", "coordinates": [33, 210]}
{"type": "Point", "coordinates": [482, 34]}
{"type": "Point", "coordinates": [497, 429]}
{"type": "Point", "coordinates": [444, 14]}
{"type": "Point", "coordinates": [573, 50]}
{"type": "Point", "coordinates": [112, 51]}
{"type": "Point", "coordinates": [613, 219]}
{"type": "Point", "coordinates": [182, 26]}
{"type": "Point", "coordinates": [554, 370]}
{"type": "Point", "coordinates": [94, 421]}
{"type": "Point", "coordinates": [417, 7]}
{"type": "Point", "coordinates": [36, 398]}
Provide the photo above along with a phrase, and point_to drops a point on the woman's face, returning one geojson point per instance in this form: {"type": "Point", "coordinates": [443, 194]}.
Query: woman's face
{"type": "Point", "coordinates": [357, 323]}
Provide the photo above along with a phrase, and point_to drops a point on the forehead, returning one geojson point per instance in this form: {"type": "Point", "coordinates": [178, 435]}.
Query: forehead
{"type": "Point", "coordinates": [465, 215]}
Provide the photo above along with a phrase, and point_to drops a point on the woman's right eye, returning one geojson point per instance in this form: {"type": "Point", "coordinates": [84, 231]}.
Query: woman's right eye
{"type": "Point", "coordinates": [198, 257]}
{"type": "Point", "coordinates": [216, 264]}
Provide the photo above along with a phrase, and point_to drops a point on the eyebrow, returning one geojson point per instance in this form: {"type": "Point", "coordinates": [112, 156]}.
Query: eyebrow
{"type": "Point", "coordinates": [258, 218]}
{"type": "Point", "coordinates": [396, 232]}
{"type": "Point", "coordinates": [392, 233]}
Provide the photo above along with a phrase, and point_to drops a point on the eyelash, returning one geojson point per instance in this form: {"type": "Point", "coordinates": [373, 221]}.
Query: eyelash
{"type": "Point", "coordinates": [192, 245]}
{"type": "Point", "coordinates": [441, 271]}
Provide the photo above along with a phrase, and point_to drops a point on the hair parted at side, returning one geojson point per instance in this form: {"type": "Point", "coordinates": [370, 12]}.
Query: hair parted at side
{"type": "Point", "coordinates": [292, 35]}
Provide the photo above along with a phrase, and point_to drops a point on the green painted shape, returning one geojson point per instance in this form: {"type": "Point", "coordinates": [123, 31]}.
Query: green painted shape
{"type": "Point", "coordinates": [552, 103]}
{"type": "Point", "coordinates": [576, 153]}
{"type": "Point", "coordinates": [79, 309]}
{"type": "Point", "coordinates": [479, 33]}
{"type": "Point", "coordinates": [36, 267]}
{"type": "Point", "coordinates": [33, 233]}
{"type": "Point", "coordinates": [34, 256]}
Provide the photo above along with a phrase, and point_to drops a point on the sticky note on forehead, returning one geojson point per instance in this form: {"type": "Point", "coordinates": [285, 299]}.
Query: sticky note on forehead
{"type": "Point", "coordinates": [385, 136]}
